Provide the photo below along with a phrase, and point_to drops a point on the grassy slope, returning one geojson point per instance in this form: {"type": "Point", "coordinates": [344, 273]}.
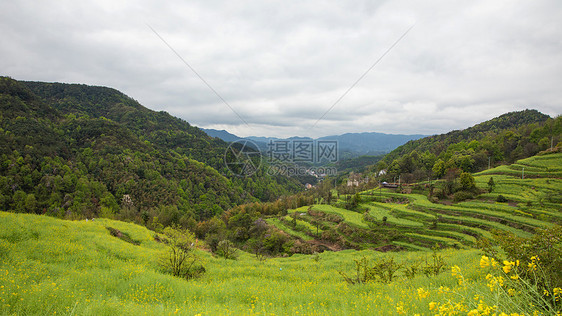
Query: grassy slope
{"type": "Point", "coordinates": [52, 266]}
{"type": "Point", "coordinates": [459, 224]}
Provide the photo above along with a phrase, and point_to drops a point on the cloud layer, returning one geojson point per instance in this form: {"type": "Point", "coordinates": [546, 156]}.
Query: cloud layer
{"type": "Point", "coordinates": [281, 64]}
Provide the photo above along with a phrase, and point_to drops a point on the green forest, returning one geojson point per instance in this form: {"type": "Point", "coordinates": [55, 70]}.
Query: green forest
{"type": "Point", "coordinates": [76, 151]}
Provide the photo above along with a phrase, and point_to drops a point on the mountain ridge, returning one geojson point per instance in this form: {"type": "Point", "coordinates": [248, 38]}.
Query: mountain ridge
{"type": "Point", "coordinates": [357, 144]}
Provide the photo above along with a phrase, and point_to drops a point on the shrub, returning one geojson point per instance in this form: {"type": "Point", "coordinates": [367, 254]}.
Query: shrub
{"type": "Point", "coordinates": [491, 184]}
{"type": "Point", "coordinates": [436, 265]}
{"type": "Point", "coordinates": [181, 260]}
{"type": "Point", "coordinates": [226, 249]}
{"type": "Point", "coordinates": [467, 181]}
{"type": "Point", "coordinates": [531, 266]}
{"type": "Point", "coordinates": [382, 270]}
{"type": "Point", "coordinates": [462, 195]}
{"type": "Point", "coordinates": [501, 199]}
{"type": "Point", "coordinates": [545, 243]}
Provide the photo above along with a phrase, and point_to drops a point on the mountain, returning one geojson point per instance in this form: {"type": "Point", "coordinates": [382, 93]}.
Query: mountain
{"type": "Point", "coordinates": [501, 140]}
{"type": "Point", "coordinates": [222, 134]}
{"type": "Point", "coordinates": [350, 145]}
{"type": "Point", "coordinates": [438, 143]}
{"type": "Point", "coordinates": [76, 151]}
{"type": "Point", "coordinates": [370, 142]}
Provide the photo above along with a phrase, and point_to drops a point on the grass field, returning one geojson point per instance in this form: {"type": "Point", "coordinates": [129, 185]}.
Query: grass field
{"type": "Point", "coordinates": [52, 266]}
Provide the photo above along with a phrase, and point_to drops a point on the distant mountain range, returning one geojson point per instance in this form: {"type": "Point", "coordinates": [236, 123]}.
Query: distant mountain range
{"type": "Point", "coordinates": [349, 145]}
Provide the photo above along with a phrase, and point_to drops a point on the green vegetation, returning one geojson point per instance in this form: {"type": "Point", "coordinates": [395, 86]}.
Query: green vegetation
{"type": "Point", "coordinates": [504, 139]}
{"type": "Point", "coordinates": [109, 158]}
{"type": "Point", "coordinates": [76, 267]}
{"type": "Point", "coordinates": [388, 219]}
{"type": "Point", "coordinates": [76, 151]}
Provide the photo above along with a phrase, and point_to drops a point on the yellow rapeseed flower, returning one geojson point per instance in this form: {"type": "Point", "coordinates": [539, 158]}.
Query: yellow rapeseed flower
{"type": "Point", "coordinates": [422, 293]}
{"type": "Point", "coordinates": [506, 269]}
{"type": "Point", "coordinates": [484, 262]}
{"type": "Point", "coordinates": [432, 306]}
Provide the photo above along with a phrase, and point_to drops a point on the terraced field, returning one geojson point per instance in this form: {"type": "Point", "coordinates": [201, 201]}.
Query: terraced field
{"type": "Point", "coordinates": [411, 221]}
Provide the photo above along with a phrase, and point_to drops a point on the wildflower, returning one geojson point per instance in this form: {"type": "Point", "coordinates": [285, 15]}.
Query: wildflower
{"type": "Point", "coordinates": [506, 269]}
{"type": "Point", "coordinates": [511, 292]}
{"type": "Point", "coordinates": [535, 258]}
{"type": "Point", "coordinates": [484, 262]}
{"type": "Point", "coordinates": [473, 312]}
{"type": "Point", "coordinates": [455, 271]}
{"type": "Point", "coordinates": [556, 293]}
{"type": "Point", "coordinates": [422, 293]}
{"type": "Point", "coordinates": [432, 306]}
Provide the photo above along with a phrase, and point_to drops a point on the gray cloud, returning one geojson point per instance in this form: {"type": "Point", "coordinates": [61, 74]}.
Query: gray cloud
{"type": "Point", "coordinates": [282, 64]}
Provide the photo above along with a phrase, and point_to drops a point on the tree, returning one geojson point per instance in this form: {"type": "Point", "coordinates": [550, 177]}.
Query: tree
{"type": "Point", "coordinates": [439, 168]}
{"type": "Point", "coordinates": [491, 184]}
{"type": "Point", "coordinates": [30, 203]}
{"type": "Point", "coordinates": [467, 181]}
{"type": "Point", "coordinates": [180, 259]}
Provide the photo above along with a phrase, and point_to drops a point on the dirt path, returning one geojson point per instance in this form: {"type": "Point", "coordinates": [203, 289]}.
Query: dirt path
{"type": "Point", "coordinates": [331, 247]}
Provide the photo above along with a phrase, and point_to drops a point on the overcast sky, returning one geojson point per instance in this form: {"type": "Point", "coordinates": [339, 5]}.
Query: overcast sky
{"type": "Point", "coordinates": [282, 64]}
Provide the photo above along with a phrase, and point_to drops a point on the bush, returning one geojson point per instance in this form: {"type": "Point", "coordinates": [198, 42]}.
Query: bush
{"type": "Point", "coordinates": [530, 265]}
{"type": "Point", "coordinates": [181, 260]}
{"type": "Point", "coordinates": [382, 270]}
{"type": "Point", "coordinates": [462, 195]}
{"type": "Point", "coordinates": [226, 249]}
{"type": "Point", "coordinates": [501, 199]}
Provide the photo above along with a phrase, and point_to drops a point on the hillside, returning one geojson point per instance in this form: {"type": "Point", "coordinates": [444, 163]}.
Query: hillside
{"type": "Point", "coordinates": [76, 151]}
{"type": "Point", "coordinates": [53, 266]}
{"type": "Point", "coordinates": [437, 143]}
{"type": "Point", "coordinates": [502, 140]}
{"type": "Point", "coordinates": [407, 219]}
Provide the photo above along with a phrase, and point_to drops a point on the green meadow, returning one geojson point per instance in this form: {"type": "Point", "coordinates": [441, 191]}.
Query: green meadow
{"type": "Point", "coordinates": [50, 266]}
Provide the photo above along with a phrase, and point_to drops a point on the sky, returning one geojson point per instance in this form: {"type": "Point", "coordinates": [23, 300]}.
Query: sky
{"type": "Point", "coordinates": [307, 68]}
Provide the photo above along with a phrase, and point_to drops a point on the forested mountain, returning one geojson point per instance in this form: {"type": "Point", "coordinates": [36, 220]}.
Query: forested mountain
{"type": "Point", "coordinates": [504, 139]}
{"type": "Point", "coordinates": [75, 150]}
{"type": "Point", "coordinates": [222, 134]}
{"type": "Point", "coordinates": [350, 145]}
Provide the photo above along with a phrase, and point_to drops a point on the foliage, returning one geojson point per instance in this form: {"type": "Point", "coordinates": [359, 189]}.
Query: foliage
{"type": "Point", "coordinates": [181, 259]}
{"type": "Point", "coordinates": [226, 249]}
{"type": "Point", "coordinates": [501, 199]}
{"type": "Point", "coordinates": [545, 244]}
{"type": "Point", "coordinates": [382, 270]}
{"type": "Point", "coordinates": [109, 156]}
{"type": "Point", "coordinates": [462, 195]}
{"type": "Point", "coordinates": [506, 138]}
{"type": "Point", "coordinates": [49, 265]}
{"type": "Point", "coordinates": [491, 184]}
{"type": "Point", "coordinates": [434, 266]}
{"type": "Point", "coordinates": [467, 181]}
